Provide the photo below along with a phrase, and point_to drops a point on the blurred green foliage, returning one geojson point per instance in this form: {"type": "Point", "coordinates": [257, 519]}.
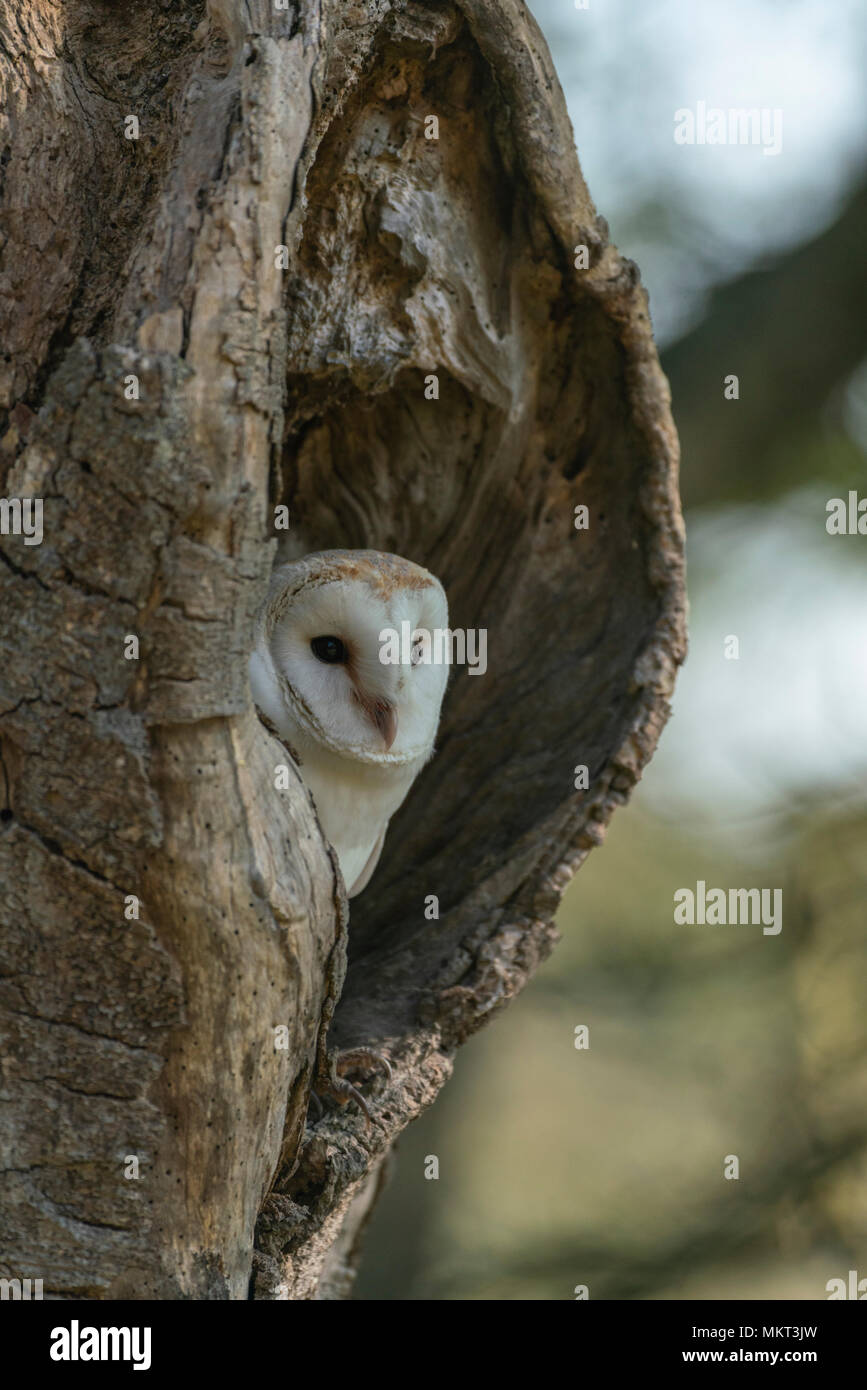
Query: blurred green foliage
{"type": "Point", "coordinates": [605, 1167]}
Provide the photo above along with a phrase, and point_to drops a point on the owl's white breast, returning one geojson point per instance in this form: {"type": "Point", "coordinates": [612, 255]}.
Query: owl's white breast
{"type": "Point", "coordinates": [354, 799]}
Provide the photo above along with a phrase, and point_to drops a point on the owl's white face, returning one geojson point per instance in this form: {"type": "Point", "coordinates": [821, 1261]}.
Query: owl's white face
{"type": "Point", "coordinates": [325, 619]}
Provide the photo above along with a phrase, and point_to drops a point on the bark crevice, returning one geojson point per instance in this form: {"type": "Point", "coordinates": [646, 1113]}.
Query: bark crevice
{"type": "Point", "coordinates": [281, 263]}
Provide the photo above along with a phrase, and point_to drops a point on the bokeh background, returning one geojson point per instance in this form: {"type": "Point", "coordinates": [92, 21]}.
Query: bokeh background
{"type": "Point", "coordinates": [604, 1167]}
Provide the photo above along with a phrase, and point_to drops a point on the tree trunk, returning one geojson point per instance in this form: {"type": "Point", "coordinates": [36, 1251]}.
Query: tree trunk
{"type": "Point", "coordinates": [235, 252]}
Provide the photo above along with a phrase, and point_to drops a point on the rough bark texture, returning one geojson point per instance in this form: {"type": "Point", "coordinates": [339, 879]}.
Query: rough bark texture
{"type": "Point", "coordinates": [260, 385]}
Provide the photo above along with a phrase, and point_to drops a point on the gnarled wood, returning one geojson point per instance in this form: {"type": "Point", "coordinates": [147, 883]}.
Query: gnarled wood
{"type": "Point", "coordinates": [298, 377]}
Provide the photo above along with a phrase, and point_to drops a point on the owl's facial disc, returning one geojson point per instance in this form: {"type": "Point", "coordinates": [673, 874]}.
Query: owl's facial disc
{"type": "Point", "coordinates": [331, 650]}
{"type": "Point", "coordinates": [326, 645]}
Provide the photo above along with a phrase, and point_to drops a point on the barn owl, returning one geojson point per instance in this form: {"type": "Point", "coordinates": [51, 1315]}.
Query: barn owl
{"type": "Point", "coordinates": [360, 729]}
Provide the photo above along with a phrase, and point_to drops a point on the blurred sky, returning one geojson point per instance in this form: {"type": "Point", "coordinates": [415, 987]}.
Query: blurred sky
{"type": "Point", "coordinates": [627, 66]}
{"type": "Point", "coordinates": [789, 717]}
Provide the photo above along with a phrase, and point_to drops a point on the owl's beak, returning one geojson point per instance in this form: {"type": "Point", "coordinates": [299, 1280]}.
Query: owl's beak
{"type": "Point", "coordinates": [381, 713]}
{"type": "Point", "coordinates": [384, 717]}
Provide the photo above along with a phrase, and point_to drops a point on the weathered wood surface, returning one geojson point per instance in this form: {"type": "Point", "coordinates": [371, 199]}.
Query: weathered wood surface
{"type": "Point", "coordinates": [260, 385]}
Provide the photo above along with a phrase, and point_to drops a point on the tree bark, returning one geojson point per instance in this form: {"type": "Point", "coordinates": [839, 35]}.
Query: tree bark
{"type": "Point", "coordinates": [170, 377]}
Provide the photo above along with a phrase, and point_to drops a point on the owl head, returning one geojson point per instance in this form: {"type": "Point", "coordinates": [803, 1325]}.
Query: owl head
{"type": "Point", "coordinates": [318, 670]}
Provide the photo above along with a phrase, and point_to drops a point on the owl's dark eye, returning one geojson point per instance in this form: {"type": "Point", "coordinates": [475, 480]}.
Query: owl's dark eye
{"type": "Point", "coordinates": [328, 649]}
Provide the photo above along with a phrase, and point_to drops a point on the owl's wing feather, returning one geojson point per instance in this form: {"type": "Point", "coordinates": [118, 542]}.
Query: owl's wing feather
{"type": "Point", "coordinates": [372, 860]}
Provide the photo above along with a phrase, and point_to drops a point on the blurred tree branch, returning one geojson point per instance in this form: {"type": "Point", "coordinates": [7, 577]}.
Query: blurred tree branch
{"type": "Point", "coordinates": [793, 332]}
